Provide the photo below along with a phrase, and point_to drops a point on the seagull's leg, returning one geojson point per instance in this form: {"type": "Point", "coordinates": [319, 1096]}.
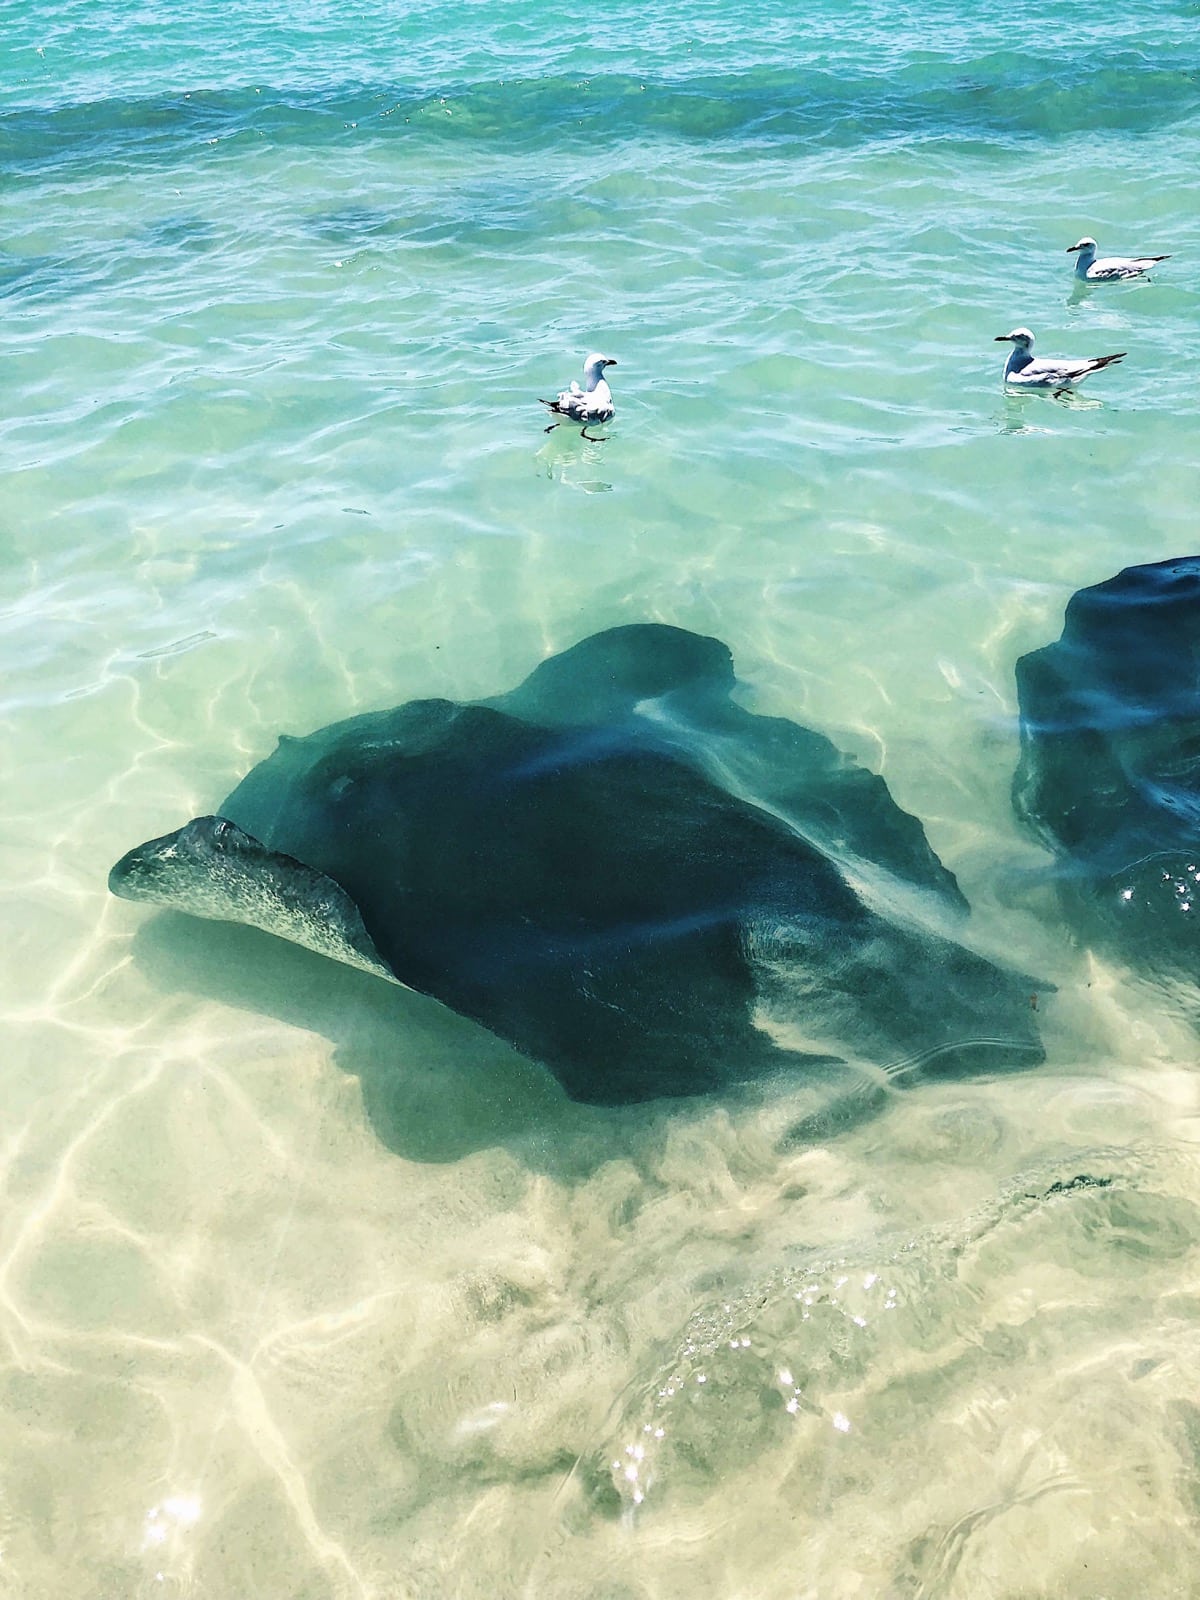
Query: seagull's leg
{"type": "Point", "coordinates": [552, 427]}
{"type": "Point", "coordinates": [595, 438]}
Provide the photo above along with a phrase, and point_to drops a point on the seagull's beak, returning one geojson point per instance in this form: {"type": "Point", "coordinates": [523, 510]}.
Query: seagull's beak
{"type": "Point", "coordinates": [611, 362]}
{"type": "Point", "coordinates": [1002, 338]}
{"type": "Point", "coordinates": [1071, 249]}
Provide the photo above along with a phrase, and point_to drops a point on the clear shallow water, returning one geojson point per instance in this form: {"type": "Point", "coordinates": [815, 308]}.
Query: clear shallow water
{"type": "Point", "coordinates": [310, 1288]}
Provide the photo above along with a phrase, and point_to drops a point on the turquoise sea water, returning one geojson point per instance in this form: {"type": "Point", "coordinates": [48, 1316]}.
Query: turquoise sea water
{"type": "Point", "coordinates": [309, 1288]}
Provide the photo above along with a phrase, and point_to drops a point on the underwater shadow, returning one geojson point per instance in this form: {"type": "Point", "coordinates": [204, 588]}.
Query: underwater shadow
{"type": "Point", "coordinates": [436, 1086]}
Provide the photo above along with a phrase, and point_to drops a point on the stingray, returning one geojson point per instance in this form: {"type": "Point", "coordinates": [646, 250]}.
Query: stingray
{"type": "Point", "coordinates": [616, 868]}
{"type": "Point", "coordinates": [1109, 774]}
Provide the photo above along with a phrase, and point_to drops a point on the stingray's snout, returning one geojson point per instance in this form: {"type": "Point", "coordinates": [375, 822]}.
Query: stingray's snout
{"type": "Point", "coordinates": [144, 872]}
{"type": "Point", "coordinates": [121, 872]}
{"type": "Point", "coordinates": [161, 868]}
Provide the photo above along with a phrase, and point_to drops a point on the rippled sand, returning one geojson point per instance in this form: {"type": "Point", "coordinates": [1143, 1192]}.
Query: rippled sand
{"type": "Point", "coordinates": [313, 1289]}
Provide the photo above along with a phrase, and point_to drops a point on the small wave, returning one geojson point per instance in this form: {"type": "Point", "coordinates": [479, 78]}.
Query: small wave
{"type": "Point", "coordinates": [1003, 95]}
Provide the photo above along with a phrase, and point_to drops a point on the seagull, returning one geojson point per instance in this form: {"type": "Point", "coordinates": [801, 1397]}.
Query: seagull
{"type": "Point", "coordinates": [1023, 371]}
{"type": "Point", "coordinates": [1110, 268]}
{"type": "Point", "coordinates": [592, 403]}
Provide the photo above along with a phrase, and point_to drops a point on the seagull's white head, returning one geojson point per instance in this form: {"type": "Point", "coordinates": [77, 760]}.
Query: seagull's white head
{"type": "Point", "coordinates": [1021, 337]}
{"type": "Point", "coordinates": [593, 370]}
{"type": "Point", "coordinates": [1085, 244]}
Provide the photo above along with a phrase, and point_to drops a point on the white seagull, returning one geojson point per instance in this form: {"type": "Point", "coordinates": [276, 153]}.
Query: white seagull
{"type": "Point", "coordinates": [592, 403]}
{"type": "Point", "coordinates": [1024, 371]}
{"type": "Point", "coordinates": [1109, 268]}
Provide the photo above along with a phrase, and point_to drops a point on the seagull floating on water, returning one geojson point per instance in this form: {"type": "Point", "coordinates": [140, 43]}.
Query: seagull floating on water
{"type": "Point", "coordinates": [1024, 371]}
{"type": "Point", "coordinates": [1109, 268]}
{"type": "Point", "coordinates": [592, 403]}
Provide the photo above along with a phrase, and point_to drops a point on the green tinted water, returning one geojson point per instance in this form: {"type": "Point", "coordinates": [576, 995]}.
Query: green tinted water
{"type": "Point", "coordinates": [311, 1288]}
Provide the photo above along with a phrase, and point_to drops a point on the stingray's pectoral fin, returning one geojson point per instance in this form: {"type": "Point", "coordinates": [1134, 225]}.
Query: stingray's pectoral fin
{"type": "Point", "coordinates": [212, 868]}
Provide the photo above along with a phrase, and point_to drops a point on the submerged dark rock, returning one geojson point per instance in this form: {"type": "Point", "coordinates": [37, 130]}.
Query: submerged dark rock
{"type": "Point", "coordinates": [617, 869]}
{"type": "Point", "coordinates": [1109, 774]}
